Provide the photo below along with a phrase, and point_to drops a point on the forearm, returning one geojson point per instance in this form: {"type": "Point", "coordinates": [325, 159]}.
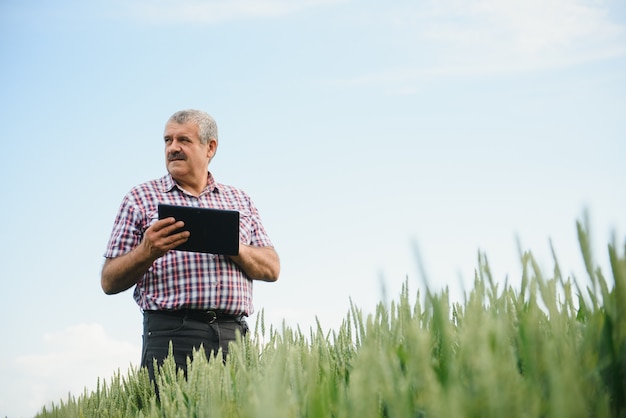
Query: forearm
{"type": "Point", "coordinates": [123, 272]}
{"type": "Point", "coordinates": [259, 263]}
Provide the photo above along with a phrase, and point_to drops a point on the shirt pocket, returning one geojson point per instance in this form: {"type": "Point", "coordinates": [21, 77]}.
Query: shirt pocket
{"type": "Point", "coordinates": [151, 218]}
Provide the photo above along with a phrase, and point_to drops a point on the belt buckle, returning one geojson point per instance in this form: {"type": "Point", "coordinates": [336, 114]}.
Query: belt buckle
{"type": "Point", "coordinates": [212, 316]}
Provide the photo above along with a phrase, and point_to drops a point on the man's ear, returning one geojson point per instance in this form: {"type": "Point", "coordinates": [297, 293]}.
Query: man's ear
{"type": "Point", "coordinates": [211, 148]}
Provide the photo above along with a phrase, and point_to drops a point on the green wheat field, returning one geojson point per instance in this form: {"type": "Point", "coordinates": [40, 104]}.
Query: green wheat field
{"type": "Point", "coordinates": [551, 348]}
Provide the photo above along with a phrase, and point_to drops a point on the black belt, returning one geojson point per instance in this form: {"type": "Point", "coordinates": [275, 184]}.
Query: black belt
{"type": "Point", "coordinates": [208, 316]}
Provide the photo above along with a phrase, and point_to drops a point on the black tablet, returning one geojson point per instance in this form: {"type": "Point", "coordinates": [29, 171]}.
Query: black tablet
{"type": "Point", "coordinates": [214, 231]}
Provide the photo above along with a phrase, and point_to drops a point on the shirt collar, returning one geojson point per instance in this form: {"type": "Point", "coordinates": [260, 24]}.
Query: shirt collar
{"type": "Point", "coordinates": [168, 183]}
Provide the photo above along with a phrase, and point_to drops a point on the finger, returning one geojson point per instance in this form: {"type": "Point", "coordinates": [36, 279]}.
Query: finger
{"type": "Point", "coordinates": [180, 236]}
{"type": "Point", "coordinates": [162, 223]}
{"type": "Point", "coordinates": [173, 227]}
{"type": "Point", "coordinates": [173, 241]}
{"type": "Point", "coordinates": [167, 226]}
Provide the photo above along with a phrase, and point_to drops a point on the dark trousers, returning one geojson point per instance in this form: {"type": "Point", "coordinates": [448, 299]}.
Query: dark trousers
{"type": "Point", "coordinates": [186, 333]}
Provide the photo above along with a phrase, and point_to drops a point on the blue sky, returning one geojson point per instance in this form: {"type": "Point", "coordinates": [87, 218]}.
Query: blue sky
{"type": "Point", "coordinates": [362, 130]}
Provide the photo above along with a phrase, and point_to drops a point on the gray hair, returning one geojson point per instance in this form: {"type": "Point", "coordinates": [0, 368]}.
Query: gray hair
{"type": "Point", "coordinates": [207, 127]}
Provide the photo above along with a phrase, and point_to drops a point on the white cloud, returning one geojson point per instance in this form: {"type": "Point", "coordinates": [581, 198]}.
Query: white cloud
{"type": "Point", "coordinates": [530, 25]}
{"type": "Point", "coordinates": [212, 11]}
{"type": "Point", "coordinates": [67, 362]}
{"type": "Point", "coordinates": [484, 37]}
{"type": "Point", "coordinates": [539, 25]}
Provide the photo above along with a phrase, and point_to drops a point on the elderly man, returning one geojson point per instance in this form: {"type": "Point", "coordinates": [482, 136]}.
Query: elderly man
{"type": "Point", "coordinates": [190, 299]}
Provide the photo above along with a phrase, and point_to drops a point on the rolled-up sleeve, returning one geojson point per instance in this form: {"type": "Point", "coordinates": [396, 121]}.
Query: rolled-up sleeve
{"type": "Point", "coordinates": [127, 231]}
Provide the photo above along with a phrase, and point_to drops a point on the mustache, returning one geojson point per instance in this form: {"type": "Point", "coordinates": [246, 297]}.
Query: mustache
{"type": "Point", "coordinates": [173, 156]}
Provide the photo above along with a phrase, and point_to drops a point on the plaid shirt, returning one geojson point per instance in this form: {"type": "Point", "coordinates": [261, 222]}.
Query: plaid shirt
{"type": "Point", "coordinates": [182, 279]}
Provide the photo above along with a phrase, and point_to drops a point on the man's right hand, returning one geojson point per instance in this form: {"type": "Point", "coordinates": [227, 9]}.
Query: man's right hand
{"type": "Point", "coordinates": [121, 273]}
{"type": "Point", "coordinates": [161, 237]}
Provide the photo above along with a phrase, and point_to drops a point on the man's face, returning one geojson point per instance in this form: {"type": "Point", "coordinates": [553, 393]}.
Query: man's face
{"type": "Point", "coordinates": [187, 158]}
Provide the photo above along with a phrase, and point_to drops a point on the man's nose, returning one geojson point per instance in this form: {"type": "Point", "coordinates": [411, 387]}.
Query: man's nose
{"type": "Point", "coordinates": [174, 145]}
